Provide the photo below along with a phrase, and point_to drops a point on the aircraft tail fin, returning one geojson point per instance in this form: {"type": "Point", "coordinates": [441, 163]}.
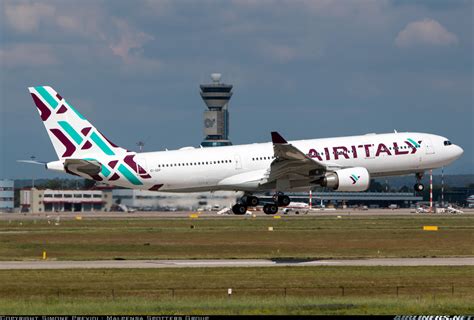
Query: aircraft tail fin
{"type": "Point", "coordinates": [71, 134]}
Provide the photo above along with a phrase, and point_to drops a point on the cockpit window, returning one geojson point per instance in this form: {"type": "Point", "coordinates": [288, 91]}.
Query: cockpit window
{"type": "Point", "coordinates": [447, 143]}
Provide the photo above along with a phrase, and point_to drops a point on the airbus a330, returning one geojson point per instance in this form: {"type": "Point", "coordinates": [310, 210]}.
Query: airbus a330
{"type": "Point", "coordinates": [343, 163]}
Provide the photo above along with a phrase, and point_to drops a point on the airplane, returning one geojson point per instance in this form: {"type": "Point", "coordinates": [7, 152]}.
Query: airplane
{"type": "Point", "coordinates": [342, 163]}
{"type": "Point", "coordinates": [297, 207]}
{"type": "Point", "coordinates": [470, 201]}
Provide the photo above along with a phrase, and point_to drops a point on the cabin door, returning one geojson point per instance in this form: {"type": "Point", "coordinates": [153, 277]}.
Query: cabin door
{"type": "Point", "coordinates": [238, 162]}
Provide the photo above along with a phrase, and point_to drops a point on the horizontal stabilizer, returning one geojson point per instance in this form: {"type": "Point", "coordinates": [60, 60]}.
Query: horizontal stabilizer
{"type": "Point", "coordinates": [32, 162]}
{"type": "Point", "coordinates": [81, 166]}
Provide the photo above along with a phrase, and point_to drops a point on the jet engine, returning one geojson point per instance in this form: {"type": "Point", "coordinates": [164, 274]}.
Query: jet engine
{"type": "Point", "coordinates": [350, 179]}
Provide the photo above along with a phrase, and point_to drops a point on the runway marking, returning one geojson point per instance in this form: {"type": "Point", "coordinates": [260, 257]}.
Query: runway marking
{"type": "Point", "coordinates": [156, 264]}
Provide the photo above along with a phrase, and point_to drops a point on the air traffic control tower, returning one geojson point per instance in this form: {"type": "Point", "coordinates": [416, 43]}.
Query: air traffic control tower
{"type": "Point", "coordinates": [216, 95]}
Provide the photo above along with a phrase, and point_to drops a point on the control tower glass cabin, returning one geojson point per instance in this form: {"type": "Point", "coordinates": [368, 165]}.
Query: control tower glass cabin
{"type": "Point", "coordinates": [216, 95]}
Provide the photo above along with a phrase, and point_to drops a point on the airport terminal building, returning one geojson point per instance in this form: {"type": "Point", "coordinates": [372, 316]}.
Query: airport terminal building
{"type": "Point", "coordinates": [6, 195]}
{"type": "Point", "coordinates": [357, 199]}
{"type": "Point", "coordinates": [162, 201]}
{"type": "Point", "coordinates": [107, 199]}
{"type": "Point", "coordinates": [38, 201]}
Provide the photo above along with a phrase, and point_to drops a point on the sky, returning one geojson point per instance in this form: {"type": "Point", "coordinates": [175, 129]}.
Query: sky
{"type": "Point", "coordinates": [306, 68]}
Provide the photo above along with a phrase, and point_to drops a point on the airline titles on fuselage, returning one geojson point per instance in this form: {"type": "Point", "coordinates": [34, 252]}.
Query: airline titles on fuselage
{"type": "Point", "coordinates": [364, 150]}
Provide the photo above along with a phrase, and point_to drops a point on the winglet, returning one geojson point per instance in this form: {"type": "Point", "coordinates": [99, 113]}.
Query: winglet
{"type": "Point", "coordinates": [277, 138]}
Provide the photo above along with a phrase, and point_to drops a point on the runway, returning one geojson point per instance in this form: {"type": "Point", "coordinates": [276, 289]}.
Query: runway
{"type": "Point", "coordinates": [213, 215]}
{"type": "Point", "coordinates": [159, 264]}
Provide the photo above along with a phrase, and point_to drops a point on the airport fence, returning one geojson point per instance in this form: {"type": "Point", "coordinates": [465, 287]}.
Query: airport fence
{"type": "Point", "coordinates": [320, 291]}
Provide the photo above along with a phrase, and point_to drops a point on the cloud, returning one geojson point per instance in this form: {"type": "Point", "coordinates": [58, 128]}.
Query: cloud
{"type": "Point", "coordinates": [31, 55]}
{"type": "Point", "coordinates": [56, 23]}
{"type": "Point", "coordinates": [325, 8]}
{"type": "Point", "coordinates": [130, 42]}
{"type": "Point", "coordinates": [27, 17]}
{"type": "Point", "coordinates": [425, 32]}
{"type": "Point", "coordinates": [284, 53]}
{"type": "Point", "coordinates": [34, 18]}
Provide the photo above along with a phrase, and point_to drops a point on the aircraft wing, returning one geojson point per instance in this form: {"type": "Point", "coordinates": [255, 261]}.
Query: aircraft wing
{"type": "Point", "coordinates": [291, 163]}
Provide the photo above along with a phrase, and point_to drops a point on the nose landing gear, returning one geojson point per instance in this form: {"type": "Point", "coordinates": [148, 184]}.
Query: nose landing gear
{"type": "Point", "coordinates": [419, 187]}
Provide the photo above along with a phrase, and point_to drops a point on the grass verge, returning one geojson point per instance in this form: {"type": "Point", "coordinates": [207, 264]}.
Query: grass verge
{"type": "Point", "coordinates": [285, 290]}
{"type": "Point", "coordinates": [230, 237]}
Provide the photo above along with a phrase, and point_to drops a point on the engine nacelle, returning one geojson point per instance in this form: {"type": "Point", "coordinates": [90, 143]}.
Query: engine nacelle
{"type": "Point", "coordinates": [350, 179]}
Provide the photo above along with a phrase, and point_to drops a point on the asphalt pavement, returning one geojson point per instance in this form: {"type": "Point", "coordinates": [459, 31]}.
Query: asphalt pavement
{"type": "Point", "coordinates": [158, 264]}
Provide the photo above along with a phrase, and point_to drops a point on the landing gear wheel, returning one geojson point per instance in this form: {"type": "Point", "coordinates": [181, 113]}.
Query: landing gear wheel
{"type": "Point", "coordinates": [270, 208]}
{"type": "Point", "coordinates": [283, 201]}
{"type": "Point", "coordinates": [239, 209]}
{"type": "Point", "coordinates": [250, 201]}
{"type": "Point", "coordinates": [419, 187]}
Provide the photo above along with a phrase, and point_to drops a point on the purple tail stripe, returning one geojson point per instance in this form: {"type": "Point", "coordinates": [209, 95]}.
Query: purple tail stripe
{"type": "Point", "coordinates": [86, 145]}
{"type": "Point", "coordinates": [113, 163]}
{"type": "Point", "coordinates": [70, 148]}
{"type": "Point", "coordinates": [114, 177]}
{"type": "Point", "coordinates": [62, 109]}
{"type": "Point", "coordinates": [86, 130]}
{"type": "Point", "coordinates": [136, 167]}
{"type": "Point", "coordinates": [45, 112]}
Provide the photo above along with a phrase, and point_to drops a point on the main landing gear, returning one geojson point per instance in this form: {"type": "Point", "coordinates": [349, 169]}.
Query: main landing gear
{"type": "Point", "coordinates": [419, 187]}
{"type": "Point", "coordinates": [279, 200]}
{"type": "Point", "coordinates": [244, 202]}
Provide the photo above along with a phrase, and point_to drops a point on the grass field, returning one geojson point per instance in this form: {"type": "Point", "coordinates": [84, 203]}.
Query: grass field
{"type": "Point", "coordinates": [241, 306]}
{"type": "Point", "coordinates": [309, 290]}
{"type": "Point", "coordinates": [238, 237]}
{"type": "Point", "coordinates": [282, 290]}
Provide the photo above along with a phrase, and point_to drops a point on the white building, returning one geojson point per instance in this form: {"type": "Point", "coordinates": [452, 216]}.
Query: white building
{"type": "Point", "coordinates": [153, 200]}
{"type": "Point", "coordinates": [6, 195]}
{"type": "Point", "coordinates": [37, 201]}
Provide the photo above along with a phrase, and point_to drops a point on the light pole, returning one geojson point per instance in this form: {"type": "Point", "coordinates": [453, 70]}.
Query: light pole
{"type": "Point", "coordinates": [140, 145]}
{"type": "Point", "coordinates": [32, 176]}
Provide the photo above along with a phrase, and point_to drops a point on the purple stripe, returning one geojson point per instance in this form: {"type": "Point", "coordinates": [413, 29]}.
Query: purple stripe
{"type": "Point", "coordinates": [113, 163]}
{"type": "Point", "coordinates": [62, 109]}
{"type": "Point", "coordinates": [114, 177]}
{"type": "Point", "coordinates": [136, 167]}
{"type": "Point", "coordinates": [156, 187]}
{"type": "Point", "coordinates": [86, 145]}
{"type": "Point", "coordinates": [70, 148]}
{"type": "Point", "coordinates": [45, 112]}
{"type": "Point", "coordinates": [131, 163]}
{"type": "Point", "coordinates": [86, 130]}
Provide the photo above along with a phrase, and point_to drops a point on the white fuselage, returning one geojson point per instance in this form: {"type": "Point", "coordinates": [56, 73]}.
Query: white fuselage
{"type": "Point", "coordinates": [240, 167]}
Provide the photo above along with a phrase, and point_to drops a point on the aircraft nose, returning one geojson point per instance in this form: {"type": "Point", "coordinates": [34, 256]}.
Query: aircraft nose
{"type": "Point", "coordinates": [458, 151]}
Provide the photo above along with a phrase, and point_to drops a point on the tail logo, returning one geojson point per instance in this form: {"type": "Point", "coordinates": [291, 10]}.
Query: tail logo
{"type": "Point", "coordinates": [412, 143]}
{"type": "Point", "coordinates": [73, 136]}
{"type": "Point", "coordinates": [354, 178]}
